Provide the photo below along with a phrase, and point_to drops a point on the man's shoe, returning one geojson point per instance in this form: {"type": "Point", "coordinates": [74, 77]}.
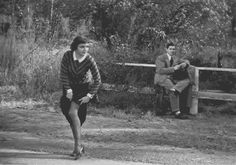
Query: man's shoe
{"type": "Point", "coordinates": [174, 91]}
{"type": "Point", "coordinates": [179, 115]}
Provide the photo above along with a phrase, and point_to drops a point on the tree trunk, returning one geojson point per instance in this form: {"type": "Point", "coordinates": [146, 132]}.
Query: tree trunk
{"type": "Point", "coordinates": [233, 9]}
{"type": "Point", "coordinates": [132, 22]}
{"type": "Point", "coordinates": [52, 1]}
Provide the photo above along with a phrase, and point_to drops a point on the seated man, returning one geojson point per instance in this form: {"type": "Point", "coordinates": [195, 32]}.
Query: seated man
{"type": "Point", "coordinates": [171, 73]}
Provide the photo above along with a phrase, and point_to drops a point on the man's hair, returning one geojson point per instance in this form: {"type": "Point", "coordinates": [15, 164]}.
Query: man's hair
{"type": "Point", "coordinates": [77, 41]}
{"type": "Point", "coordinates": [169, 44]}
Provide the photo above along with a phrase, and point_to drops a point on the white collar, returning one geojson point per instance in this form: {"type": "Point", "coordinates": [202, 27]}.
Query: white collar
{"type": "Point", "coordinates": [80, 59]}
{"type": "Point", "coordinates": [169, 57]}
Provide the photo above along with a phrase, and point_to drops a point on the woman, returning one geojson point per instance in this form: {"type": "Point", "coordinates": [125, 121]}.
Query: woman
{"type": "Point", "coordinates": [76, 89]}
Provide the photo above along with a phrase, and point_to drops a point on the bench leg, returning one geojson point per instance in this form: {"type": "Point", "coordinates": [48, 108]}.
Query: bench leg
{"type": "Point", "coordinates": [194, 106]}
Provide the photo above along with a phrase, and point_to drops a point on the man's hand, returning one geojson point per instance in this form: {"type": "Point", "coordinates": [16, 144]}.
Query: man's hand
{"type": "Point", "coordinates": [84, 99]}
{"type": "Point", "coordinates": [183, 65]}
{"type": "Point", "coordinates": [69, 94]}
{"type": "Point", "coordinates": [177, 67]}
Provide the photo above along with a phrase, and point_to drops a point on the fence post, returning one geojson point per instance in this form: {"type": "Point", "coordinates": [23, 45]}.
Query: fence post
{"type": "Point", "coordinates": [194, 106]}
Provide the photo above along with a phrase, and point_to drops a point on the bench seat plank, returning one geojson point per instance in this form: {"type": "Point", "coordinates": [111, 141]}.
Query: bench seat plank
{"type": "Point", "coordinates": [216, 96]}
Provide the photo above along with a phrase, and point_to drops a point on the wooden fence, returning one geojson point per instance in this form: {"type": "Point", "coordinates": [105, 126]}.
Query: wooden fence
{"type": "Point", "coordinates": [197, 94]}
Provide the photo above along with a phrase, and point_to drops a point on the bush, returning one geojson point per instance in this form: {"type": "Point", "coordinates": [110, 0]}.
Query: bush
{"type": "Point", "coordinates": [126, 101]}
{"type": "Point", "coordinates": [36, 70]}
{"type": "Point", "coordinates": [8, 56]}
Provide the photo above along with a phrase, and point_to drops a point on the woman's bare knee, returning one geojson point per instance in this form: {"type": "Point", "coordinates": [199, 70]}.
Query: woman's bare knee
{"type": "Point", "coordinates": [73, 110]}
{"type": "Point", "coordinates": [72, 114]}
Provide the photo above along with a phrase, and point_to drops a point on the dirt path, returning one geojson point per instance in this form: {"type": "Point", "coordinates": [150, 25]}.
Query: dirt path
{"type": "Point", "coordinates": [36, 127]}
{"type": "Point", "coordinates": [12, 156]}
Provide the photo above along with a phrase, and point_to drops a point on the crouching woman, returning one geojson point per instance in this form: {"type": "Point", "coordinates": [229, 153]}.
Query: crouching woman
{"type": "Point", "coordinates": [77, 92]}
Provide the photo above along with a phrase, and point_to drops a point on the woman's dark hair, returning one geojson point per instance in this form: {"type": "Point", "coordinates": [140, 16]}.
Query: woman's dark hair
{"type": "Point", "coordinates": [78, 40]}
{"type": "Point", "coordinates": [169, 44]}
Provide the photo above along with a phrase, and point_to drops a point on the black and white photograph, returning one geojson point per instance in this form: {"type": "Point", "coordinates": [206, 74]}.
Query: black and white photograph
{"type": "Point", "coordinates": [118, 82]}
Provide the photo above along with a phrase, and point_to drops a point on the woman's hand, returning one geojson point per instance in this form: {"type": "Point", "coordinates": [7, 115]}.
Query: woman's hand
{"type": "Point", "coordinates": [84, 99]}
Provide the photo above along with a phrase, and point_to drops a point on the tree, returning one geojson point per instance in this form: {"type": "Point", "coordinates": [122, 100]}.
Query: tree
{"type": "Point", "coordinates": [233, 9]}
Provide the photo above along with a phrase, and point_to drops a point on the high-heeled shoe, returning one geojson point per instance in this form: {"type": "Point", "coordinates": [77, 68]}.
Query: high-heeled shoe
{"type": "Point", "coordinates": [82, 149]}
{"type": "Point", "coordinates": [72, 154]}
{"type": "Point", "coordinates": [79, 154]}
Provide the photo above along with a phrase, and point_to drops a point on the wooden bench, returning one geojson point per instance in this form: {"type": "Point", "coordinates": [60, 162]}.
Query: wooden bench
{"type": "Point", "coordinates": [161, 103]}
{"type": "Point", "coordinates": [196, 93]}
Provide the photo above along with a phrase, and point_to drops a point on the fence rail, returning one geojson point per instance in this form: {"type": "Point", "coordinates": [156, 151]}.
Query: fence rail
{"type": "Point", "coordinates": [217, 69]}
{"type": "Point", "coordinates": [135, 64]}
{"type": "Point", "coordinates": [208, 95]}
{"type": "Point", "coordinates": [196, 93]}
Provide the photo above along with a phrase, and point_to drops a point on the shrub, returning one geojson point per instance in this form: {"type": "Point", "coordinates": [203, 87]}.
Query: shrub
{"type": "Point", "coordinates": [126, 101]}
{"type": "Point", "coordinates": [8, 56]}
{"type": "Point", "coordinates": [36, 70]}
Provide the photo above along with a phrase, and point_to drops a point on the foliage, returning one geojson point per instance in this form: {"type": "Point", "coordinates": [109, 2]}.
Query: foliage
{"type": "Point", "coordinates": [36, 70]}
{"type": "Point", "coordinates": [122, 31]}
{"type": "Point", "coordinates": [8, 57]}
{"type": "Point", "coordinates": [141, 24]}
{"type": "Point", "coordinates": [126, 101]}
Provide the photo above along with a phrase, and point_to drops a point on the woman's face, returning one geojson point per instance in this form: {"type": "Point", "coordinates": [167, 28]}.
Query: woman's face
{"type": "Point", "coordinates": [82, 49]}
